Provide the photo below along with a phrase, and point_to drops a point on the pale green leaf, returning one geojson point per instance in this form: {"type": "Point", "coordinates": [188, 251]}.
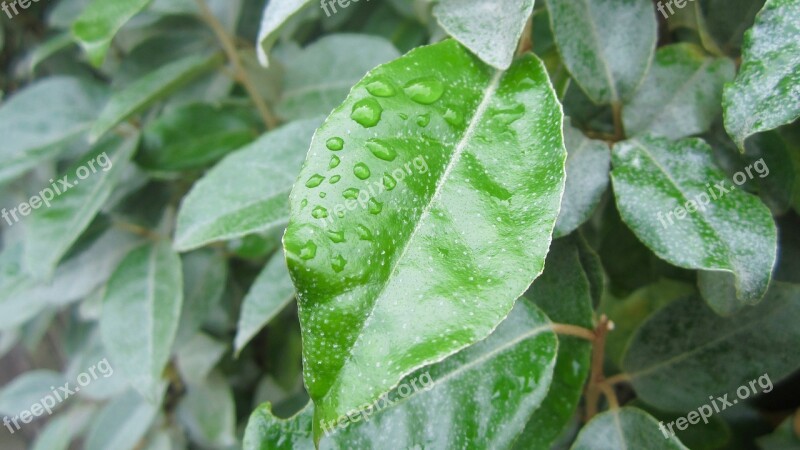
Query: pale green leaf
{"type": "Point", "coordinates": [151, 88]}
{"type": "Point", "coordinates": [681, 94]}
{"type": "Point", "coordinates": [488, 29]}
{"type": "Point", "coordinates": [59, 432]}
{"type": "Point", "coordinates": [27, 389]}
{"type": "Point", "coordinates": [766, 93]}
{"type": "Point", "coordinates": [439, 156]}
{"type": "Point", "coordinates": [39, 120]}
{"type": "Point", "coordinates": [198, 357]}
{"type": "Point", "coordinates": [729, 231]}
{"type": "Point", "coordinates": [270, 294]}
{"type": "Point", "coordinates": [205, 273]}
{"type": "Point", "coordinates": [607, 45]}
{"type": "Point", "coordinates": [318, 78]}
{"type": "Point", "coordinates": [208, 413]}
{"type": "Point", "coordinates": [52, 229]}
{"type": "Point", "coordinates": [588, 163]}
{"type": "Point", "coordinates": [247, 192]}
{"type": "Point", "coordinates": [685, 352]}
{"type": "Point", "coordinates": [122, 423]}
{"type": "Point", "coordinates": [626, 428]}
{"type": "Point", "coordinates": [276, 14]}
{"type": "Point", "coordinates": [99, 23]}
{"type": "Point", "coordinates": [140, 317]}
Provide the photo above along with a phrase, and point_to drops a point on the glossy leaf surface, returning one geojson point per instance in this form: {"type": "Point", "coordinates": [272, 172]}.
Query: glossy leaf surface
{"type": "Point", "coordinates": [432, 157]}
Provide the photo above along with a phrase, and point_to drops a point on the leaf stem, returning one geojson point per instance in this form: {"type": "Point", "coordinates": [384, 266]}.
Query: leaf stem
{"type": "Point", "coordinates": [526, 40]}
{"type": "Point", "coordinates": [572, 330]}
{"type": "Point", "coordinates": [611, 396]}
{"type": "Point", "coordinates": [797, 423]}
{"type": "Point", "coordinates": [618, 378]}
{"type": "Point", "coordinates": [596, 377]}
{"type": "Point", "coordinates": [137, 230]}
{"type": "Point", "coordinates": [619, 127]}
{"type": "Point", "coordinates": [241, 76]}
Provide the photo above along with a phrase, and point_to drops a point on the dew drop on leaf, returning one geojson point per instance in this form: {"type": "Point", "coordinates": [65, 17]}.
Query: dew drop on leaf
{"type": "Point", "coordinates": [335, 144]}
{"type": "Point", "coordinates": [381, 88]}
{"type": "Point", "coordinates": [424, 120]}
{"type": "Point", "coordinates": [367, 112]}
{"type": "Point", "coordinates": [315, 181]}
{"type": "Point", "coordinates": [334, 162]}
{"type": "Point", "coordinates": [381, 150]}
{"type": "Point", "coordinates": [319, 212]}
{"type": "Point", "coordinates": [389, 182]}
{"type": "Point", "coordinates": [335, 179]}
{"type": "Point", "coordinates": [425, 90]}
{"type": "Point", "coordinates": [375, 207]}
{"type": "Point", "coordinates": [350, 194]}
{"type": "Point", "coordinates": [308, 251]}
{"type": "Point", "coordinates": [361, 171]}
{"type": "Point", "coordinates": [363, 233]}
{"type": "Point", "coordinates": [337, 263]}
{"type": "Point", "coordinates": [336, 236]}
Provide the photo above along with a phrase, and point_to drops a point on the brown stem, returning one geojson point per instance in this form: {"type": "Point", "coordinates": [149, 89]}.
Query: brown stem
{"type": "Point", "coordinates": [596, 377]}
{"type": "Point", "coordinates": [137, 230]}
{"type": "Point", "coordinates": [618, 378]}
{"type": "Point", "coordinates": [233, 56]}
{"type": "Point", "coordinates": [797, 423]}
{"type": "Point", "coordinates": [610, 395]}
{"type": "Point", "coordinates": [526, 41]}
{"type": "Point", "coordinates": [572, 330]}
{"type": "Point", "coordinates": [619, 128]}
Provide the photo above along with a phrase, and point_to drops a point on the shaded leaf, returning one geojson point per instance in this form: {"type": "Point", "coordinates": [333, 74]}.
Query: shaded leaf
{"type": "Point", "coordinates": [122, 423]}
{"type": "Point", "coordinates": [276, 14]}
{"type": "Point", "coordinates": [28, 389]}
{"type": "Point", "coordinates": [205, 273]}
{"type": "Point", "coordinates": [477, 175]}
{"type": "Point", "coordinates": [140, 317]}
{"type": "Point", "coordinates": [247, 192]}
{"type": "Point", "coordinates": [624, 428]}
{"type": "Point", "coordinates": [99, 23]}
{"type": "Point", "coordinates": [731, 233]}
{"type": "Point", "coordinates": [209, 414]}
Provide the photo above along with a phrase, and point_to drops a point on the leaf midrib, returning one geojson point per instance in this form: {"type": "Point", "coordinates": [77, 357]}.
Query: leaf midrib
{"type": "Point", "coordinates": [488, 95]}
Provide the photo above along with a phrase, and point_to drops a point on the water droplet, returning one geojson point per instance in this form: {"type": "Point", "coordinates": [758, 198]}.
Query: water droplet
{"type": "Point", "coordinates": [350, 194]}
{"type": "Point", "coordinates": [381, 150]}
{"type": "Point", "coordinates": [335, 144]}
{"type": "Point", "coordinates": [403, 116]}
{"type": "Point", "coordinates": [363, 233]}
{"type": "Point", "coordinates": [319, 212]}
{"type": "Point", "coordinates": [335, 179]}
{"type": "Point", "coordinates": [315, 181]}
{"type": "Point", "coordinates": [334, 162]}
{"type": "Point", "coordinates": [336, 236]}
{"type": "Point", "coordinates": [424, 120]}
{"type": "Point", "coordinates": [303, 203]}
{"type": "Point", "coordinates": [337, 263]}
{"type": "Point", "coordinates": [389, 182]}
{"type": "Point", "coordinates": [361, 171]}
{"type": "Point", "coordinates": [322, 195]}
{"type": "Point", "coordinates": [367, 112]}
{"type": "Point", "coordinates": [425, 90]}
{"type": "Point", "coordinates": [375, 207]}
{"type": "Point", "coordinates": [454, 117]}
{"type": "Point", "coordinates": [309, 251]}
{"type": "Point", "coordinates": [381, 88]}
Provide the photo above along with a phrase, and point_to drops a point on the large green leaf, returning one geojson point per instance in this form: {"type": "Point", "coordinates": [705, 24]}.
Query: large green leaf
{"type": "Point", "coordinates": [766, 93]}
{"type": "Point", "coordinates": [563, 292]}
{"type": "Point", "coordinates": [52, 229]}
{"type": "Point", "coordinates": [271, 293]}
{"type": "Point", "coordinates": [151, 88]}
{"type": "Point", "coordinates": [480, 397]}
{"type": "Point", "coordinates": [730, 233]}
{"type": "Point", "coordinates": [626, 428]}
{"type": "Point", "coordinates": [38, 119]}
{"type": "Point", "coordinates": [685, 352]}
{"type": "Point", "coordinates": [588, 162]}
{"type": "Point", "coordinates": [606, 62]}
{"type": "Point", "coordinates": [681, 94]}
{"type": "Point", "coordinates": [140, 317]}
{"type": "Point", "coordinates": [439, 157]}
{"type": "Point", "coordinates": [318, 78]}
{"type": "Point", "coordinates": [247, 192]}
{"type": "Point", "coordinates": [276, 14]}
{"type": "Point", "coordinates": [121, 423]}
{"type": "Point", "coordinates": [99, 22]}
{"type": "Point", "coordinates": [490, 31]}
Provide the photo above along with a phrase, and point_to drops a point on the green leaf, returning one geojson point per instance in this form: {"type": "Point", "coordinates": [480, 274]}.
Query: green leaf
{"type": "Point", "coordinates": [150, 88]}
{"type": "Point", "coordinates": [685, 352]}
{"type": "Point", "coordinates": [563, 292]}
{"type": "Point", "coordinates": [39, 120]}
{"type": "Point", "coordinates": [588, 163]}
{"type": "Point", "coordinates": [26, 390]}
{"type": "Point", "coordinates": [489, 31]}
{"type": "Point", "coordinates": [608, 64]}
{"type": "Point", "coordinates": [766, 93]}
{"type": "Point", "coordinates": [208, 413]}
{"type": "Point", "coordinates": [99, 23]}
{"type": "Point", "coordinates": [699, 436]}
{"type": "Point", "coordinates": [140, 317]}
{"type": "Point", "coordinates": [730, 233]}
{"type": "Point", "coordinates": [247, 192]}
{"type": "Point", "coordinates": [198, 357]}
{"type": "Point", "coordinates": [447, 158]}
{"type": "Point", "coordinates": [276, 14]}
{"type": "Point", "coordinates": [681, 94]}
{"type": "Point", "coordinates": [52, 229]}
{"type": "Point", "coordinates": [785, 437]}
{"type": "Point", "coordinates": [622, 429]}
{"type": "Point", "coordinates": [270, 294]}
{"type": "Point", "coordinates": [318, 78]}
{"type": "Point", "coordinates": [205, 273]}
{"type": "Point", "coordinates": [196, 135]}
{"type": "Point", "coordinates": [470, 399]}
{"type": "Point", "coordinates": [59, 432]}
{"type": "Point", "coordinates": [122, 423]}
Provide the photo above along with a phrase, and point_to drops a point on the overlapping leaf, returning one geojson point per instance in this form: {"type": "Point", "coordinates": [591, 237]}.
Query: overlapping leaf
{"type": "Point", "coordinates": [622, 429]}
{"type": "Point", "coordinates": [433, 158]}
{"type": "Point", "coordinates": [99, 23]}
